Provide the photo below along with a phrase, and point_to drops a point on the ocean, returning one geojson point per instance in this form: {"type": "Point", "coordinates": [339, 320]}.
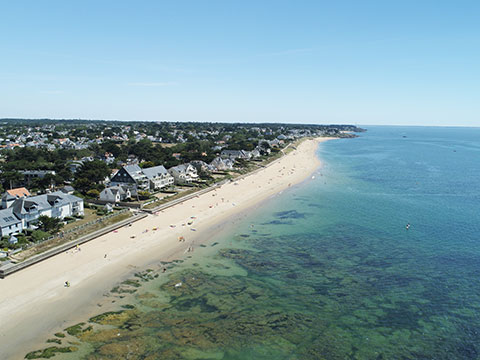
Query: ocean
{"type": "Point", "coordinates": [325, 270]}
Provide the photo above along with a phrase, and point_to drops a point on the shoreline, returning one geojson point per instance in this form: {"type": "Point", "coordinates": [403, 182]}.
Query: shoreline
{"type": "Point", "coordinates": [34, 303]}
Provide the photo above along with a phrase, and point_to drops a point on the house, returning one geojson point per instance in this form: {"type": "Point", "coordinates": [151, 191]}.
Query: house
{"type": "Point", "coordinates": [183, 174]}
{"type": "Point", "coordinates": [131, 176]}
{"type": "Point", "coordinates": [11, 195]}
{"type": "Point", "coordinates": [222, 164]}
{"type": "Point", "coordinates": [107, 158]}
{"type": "Point", "coordinates": [67, 189]}
{"type": "Point", "coordinates": [158, 177]}
{"type": "Point", "coordinates": [25, 211]}
{"type": "Point", "coordinates": [35, 174]}
{"type": "Point", "coordinates": [9, 223]}
{"type": "Point", "coordinates": [56, 204]}
{"type": "Point", "coordinates": [235, 154]}
{"type": "Point", "coordinates": [7, 200]}
{"type": "Point", "coordinates": [75, 165]}
{"type": "Point", "coordinates": [19, 192]}
{"type": "Point", "coordinates": [148, 179]}
{"type": "Point", "coordinates": [202, 166]}
{"type": "Point", "coordinates": [115, 194]}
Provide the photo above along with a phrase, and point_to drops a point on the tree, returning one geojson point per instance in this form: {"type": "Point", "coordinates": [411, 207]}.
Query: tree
{"type": "Point", "coordinates": [90, 174]}
{"type": "Point", "coordinates": [143, 195]}
{"type": "Point", "coordinates": [93, 193]}
{"type": "Point", "coordinates": [11, 178]}
{"type": "Point", "coordinates": [146, 164]}
{"type": "Point", "coordinates": [49, 224]}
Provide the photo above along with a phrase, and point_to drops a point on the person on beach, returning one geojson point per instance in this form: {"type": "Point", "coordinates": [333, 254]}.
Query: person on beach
{"type": "Point", "coordinates": [67, 283]}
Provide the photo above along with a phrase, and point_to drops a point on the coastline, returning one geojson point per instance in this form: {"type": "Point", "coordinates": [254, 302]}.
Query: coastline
{"type": "Point", "coordinates": [34, 302]}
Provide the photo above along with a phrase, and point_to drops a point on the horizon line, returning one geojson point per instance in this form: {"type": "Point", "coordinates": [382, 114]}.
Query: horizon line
{"type": "Point", "coordinates": [237, 122]}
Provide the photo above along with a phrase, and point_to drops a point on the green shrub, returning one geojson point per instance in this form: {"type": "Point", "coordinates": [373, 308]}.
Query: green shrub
{"type": "Point", "coordinates": [143, 195]}
{"type": "Point", "coordinates": [93, 193]}
{"type": "Point", "coordinates": [39, 235]}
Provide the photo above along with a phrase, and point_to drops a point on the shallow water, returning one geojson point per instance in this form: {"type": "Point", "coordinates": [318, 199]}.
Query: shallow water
{"type": "Point", "coordinates": [327, 269]}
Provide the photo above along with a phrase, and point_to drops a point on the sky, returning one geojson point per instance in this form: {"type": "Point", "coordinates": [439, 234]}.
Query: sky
{"type": "Point", "coordinates": [320, 62]}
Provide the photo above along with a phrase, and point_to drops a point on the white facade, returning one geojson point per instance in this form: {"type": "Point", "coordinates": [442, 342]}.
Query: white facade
{"type": "Point", "coordinates": [184, 174]}
{"type": "Point", "coordinates": [24, 212]}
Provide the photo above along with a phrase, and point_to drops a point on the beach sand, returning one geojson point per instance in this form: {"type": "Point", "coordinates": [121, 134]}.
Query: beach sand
{"type": "Point", "coordinates": [34, 302]}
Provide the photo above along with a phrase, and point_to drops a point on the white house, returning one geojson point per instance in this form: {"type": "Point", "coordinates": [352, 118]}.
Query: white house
{"type": "Point", "coordinates": [184, 174]}
{"type": "Point", "coordinates": [115, 194]}
{"type": "Point", "coordinates": [136, 178]}
{"type": "Point", "coordinates": [158, 177]}
{"type": "Point", "coordinates": [25, 211]}
{"type": "Point", "coordinates": [235, 154]}
{"type": "Point", "coordinates": [9, 223]}
{"type": "Point", "coordinates": [222, 164]}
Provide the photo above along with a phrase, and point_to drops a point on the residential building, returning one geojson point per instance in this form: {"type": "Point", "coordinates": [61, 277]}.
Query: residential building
{"type": "Point", "coordinates": [148, 179]}
{"type": "Point", "coordinates": [115, 194]}
{"type": "Point", "coordinates": [29, 175]}
{"type": "Point", "coordinates": [235, 154]}
{"type": "Point", "coordinates": [222, 164]}
{"type": "Point", "coordinates": [24, 212]}
{"type": "Point", "coordinates": [9, 223]}
{"type": "Point", "coordinates": [19, 192]}
{"type": "Point", "coordinates": [184, 174]}
{"type": "Point", "coordinates": [158, 177]}
{"type": "Point", "coordinates": [131, 176]}
{"type": "Point", "coordinates": [202, 166]}
{"type": "Point", "coordinates": [11, 195]}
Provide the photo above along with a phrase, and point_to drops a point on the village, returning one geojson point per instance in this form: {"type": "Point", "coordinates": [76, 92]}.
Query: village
{"type": "Point", "coordinates": [63, 177]}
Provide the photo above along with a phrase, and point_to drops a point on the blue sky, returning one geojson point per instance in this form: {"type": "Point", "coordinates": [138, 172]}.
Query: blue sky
{"type": "Point", "coordinates": [363, 62]}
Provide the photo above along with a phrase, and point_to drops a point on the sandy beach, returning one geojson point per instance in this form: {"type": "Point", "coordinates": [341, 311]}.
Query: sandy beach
{"type": "Point", "coordinates": [34, 301]}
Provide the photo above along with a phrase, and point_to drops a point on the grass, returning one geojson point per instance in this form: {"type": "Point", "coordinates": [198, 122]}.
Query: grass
{"type": "Point", "coordinates": [89, 215]}
{"type": "Point", "coordinates": [167, 199]}
{"type": "Point", "coordinates": [49, 244]}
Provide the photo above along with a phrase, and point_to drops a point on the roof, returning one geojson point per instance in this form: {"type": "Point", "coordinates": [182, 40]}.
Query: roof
{"type": "Point", "coordinates": [179, 168]}
{"type": "Point", "coordinates": [7, 196]}
{"type": "Point", "coordinates": [132, 169]}
{"type": "Point", "coordinates": [119, 188]}
{"type": "Point", "coordinates": [42, 202]}
{"type": "Point", "coordinates": [19, 192]}
{"type": "Point", "coordinates": [7, 218]}
{"type": "Point", "coordinates": [155, 171]}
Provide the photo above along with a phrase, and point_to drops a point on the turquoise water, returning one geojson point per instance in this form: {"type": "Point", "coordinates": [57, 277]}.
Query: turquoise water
{"type": "Point", "coordinates": [327, 270]}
